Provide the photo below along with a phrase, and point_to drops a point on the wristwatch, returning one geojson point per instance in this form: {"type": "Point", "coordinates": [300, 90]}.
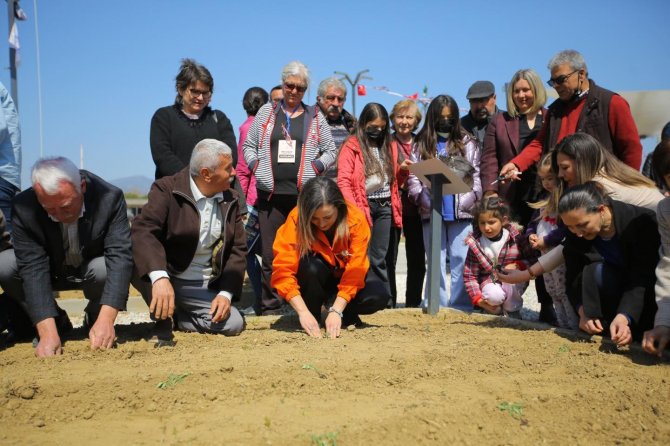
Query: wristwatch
{"type": "Point", "coordinates": [334, 310]}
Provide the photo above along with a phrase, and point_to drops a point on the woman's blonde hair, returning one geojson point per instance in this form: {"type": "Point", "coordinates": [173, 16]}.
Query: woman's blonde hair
{"type": "Point", "coordinates": [411, 107]}
{"type": "Point", "coordinates": [536, 86]}
{"type": "Point", "coordinates": [316, 193]}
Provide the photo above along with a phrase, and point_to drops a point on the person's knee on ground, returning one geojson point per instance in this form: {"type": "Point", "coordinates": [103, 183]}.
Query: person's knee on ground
{"type": "Point", "coordinates": [513, 300]}
{"type": "Point", "coordinates": [493, 294]}
{"type": "Point", "coordinates": [201, 322]}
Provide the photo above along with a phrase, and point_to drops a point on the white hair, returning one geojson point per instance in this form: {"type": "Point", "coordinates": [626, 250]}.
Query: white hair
{"type": "Point", "coordinates": [206, 155]}
{"type": "Point", "coordinates": [331, 82]}
{"type": "Point", "coordinates": [295, 68]}
{"type": "Point", "coordinates": [50, 172]}
{"type": "Point", "coordinates": [571, 57]}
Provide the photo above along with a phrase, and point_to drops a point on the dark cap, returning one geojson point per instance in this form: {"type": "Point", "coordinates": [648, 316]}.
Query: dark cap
{"type": "Point", "coordinates": [480, 90]}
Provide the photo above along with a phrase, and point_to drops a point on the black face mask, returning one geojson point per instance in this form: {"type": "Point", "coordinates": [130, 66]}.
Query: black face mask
{"type": "Point", "coordinates": [444, 126]}
{"type": "Point", "coordinates": [374, 133]}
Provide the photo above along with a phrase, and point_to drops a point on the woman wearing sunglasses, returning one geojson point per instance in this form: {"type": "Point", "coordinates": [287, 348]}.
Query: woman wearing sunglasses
{"type": "Point", "coordinates": [177, 128]}
{"type": "Point", "coordinates": [288, 143]}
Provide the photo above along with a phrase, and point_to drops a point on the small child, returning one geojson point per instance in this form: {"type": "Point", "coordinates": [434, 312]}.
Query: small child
{"type": "Point", "coordinates": [495, 244]}
{"type": "Point", "coordinates": [544, 232]}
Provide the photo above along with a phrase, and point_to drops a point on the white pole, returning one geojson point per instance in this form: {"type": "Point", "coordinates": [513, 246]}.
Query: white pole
{"type": "Point", "coordinates": [39, 81]}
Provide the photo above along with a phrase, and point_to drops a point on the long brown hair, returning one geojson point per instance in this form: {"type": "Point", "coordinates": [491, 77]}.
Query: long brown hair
{"type": "Point", "coordinates": [426, 139]}
{"type": "Point", "coordinates": [371, 112]}
{"type": "Point", "coordinates": [316, 193]}
{"type": "Point", "coordinates": [592, 158]}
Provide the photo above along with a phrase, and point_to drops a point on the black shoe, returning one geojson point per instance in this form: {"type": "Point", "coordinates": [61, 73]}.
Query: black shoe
{"type": "Point", "coordinates": [63, 323]}
{"type": "Point", "coordinates": [548, 315]}
{"type": "Point", "coordinates": [161, 334]}
{"type": "Point", "coordinates": [15, 320]}
{"type": "Point", "coordinates": [351, 319]}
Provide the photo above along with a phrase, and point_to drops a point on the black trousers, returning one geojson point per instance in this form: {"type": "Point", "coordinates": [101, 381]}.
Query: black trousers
{"type": "Point", "coordinates": [391, 260]}
{"type": "Point", "coordinates": [416, 258]}
{"type": "Point", "coordinates": [271, 215]}
{"type": "Point", "coordinates": [318, 286]}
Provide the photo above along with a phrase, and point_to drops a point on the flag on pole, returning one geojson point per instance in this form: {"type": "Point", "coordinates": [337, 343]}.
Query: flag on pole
{"type": "Point", "coordinates": [18, 12]}
{"type": "Point", "coordinates": [14, 43]}
{"type": "Point", "coordinates": [361, 90]}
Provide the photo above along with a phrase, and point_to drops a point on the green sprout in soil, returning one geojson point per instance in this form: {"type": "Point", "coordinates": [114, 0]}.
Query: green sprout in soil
{"type": "Point", "coordinates": [327, 439]}
{"type": "Point", "coordinates": [311, 367]}
{"type": "Point", "coordinates": [564, 348]}
{"type": "Point", "coordinates": [514, 409]}
{"type": "Point", "coordinates": [172, 380]}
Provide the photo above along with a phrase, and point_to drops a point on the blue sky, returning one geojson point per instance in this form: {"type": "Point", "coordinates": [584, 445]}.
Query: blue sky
{"type": "Point", "coordinates": [107, 66]}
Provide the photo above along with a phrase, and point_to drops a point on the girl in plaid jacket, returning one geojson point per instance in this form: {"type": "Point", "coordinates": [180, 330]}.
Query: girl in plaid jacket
{"type": "Point", "coordinates": [495, 244]}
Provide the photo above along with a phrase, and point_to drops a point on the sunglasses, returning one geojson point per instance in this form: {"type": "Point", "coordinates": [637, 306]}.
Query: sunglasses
{"type": "Point", "coordinates": [560, 80]}
{"type": "Point", "coordinates": [298, 88]}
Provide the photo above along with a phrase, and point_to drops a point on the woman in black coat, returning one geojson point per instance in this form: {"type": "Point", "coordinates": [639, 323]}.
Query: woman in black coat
{"type": "Point", "coordinates": [611, 255]}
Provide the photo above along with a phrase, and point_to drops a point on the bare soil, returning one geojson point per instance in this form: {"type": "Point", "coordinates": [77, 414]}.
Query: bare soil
{"type": "Point", "coordinates": [403, 379]}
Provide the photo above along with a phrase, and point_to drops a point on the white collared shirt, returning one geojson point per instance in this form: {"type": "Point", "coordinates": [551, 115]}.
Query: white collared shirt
{"type": "Point", "coordinates": [200, 268]}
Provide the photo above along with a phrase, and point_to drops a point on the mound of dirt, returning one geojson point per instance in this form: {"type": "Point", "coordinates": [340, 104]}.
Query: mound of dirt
{"type": "Point", "coordinates": [403, 379]}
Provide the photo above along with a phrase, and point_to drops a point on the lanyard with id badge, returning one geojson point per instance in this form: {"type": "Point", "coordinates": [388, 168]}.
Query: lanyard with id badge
{"type": "Point", "coordinates": [286, 149]}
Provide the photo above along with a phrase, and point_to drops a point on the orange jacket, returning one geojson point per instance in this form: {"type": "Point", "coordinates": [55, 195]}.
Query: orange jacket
{"type": "Point", "coordinates": [350, 256]}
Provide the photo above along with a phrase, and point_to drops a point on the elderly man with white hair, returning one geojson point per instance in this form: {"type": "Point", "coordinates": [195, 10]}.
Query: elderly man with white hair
{"type": "Point", "coordinates": [189, 246]}
{"type": "Point", "coordinates": [71, 231]}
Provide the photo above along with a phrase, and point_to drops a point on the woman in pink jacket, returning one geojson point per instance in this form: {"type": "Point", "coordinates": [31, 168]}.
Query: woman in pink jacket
{"type": "Point", "coordinates": [368, 174]}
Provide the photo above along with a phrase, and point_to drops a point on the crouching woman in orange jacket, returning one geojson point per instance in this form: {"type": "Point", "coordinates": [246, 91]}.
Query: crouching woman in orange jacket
{"type": "Point", "coordinates": [320, 258]}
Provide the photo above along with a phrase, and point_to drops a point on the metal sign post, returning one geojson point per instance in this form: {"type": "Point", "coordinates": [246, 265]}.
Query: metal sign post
{"type": "Point", "coordinates": [443, 181]}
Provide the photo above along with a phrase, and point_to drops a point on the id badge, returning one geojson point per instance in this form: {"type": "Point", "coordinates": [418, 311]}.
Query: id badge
{"type": "Point", "coordinates": [286, 152]}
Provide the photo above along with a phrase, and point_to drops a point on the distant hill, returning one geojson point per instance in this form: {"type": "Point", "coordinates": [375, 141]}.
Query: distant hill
{"type": "Point", "coordinates": [137, 184]}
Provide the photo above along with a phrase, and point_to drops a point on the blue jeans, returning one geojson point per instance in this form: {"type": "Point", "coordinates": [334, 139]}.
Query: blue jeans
{"type": "Point", "coordinates": [451, 245]}
{"type": "Point", "coordinates": [7, 192]}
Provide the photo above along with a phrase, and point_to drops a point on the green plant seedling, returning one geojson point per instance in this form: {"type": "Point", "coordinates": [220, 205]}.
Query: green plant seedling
{"type": "Point", "coordinates": [564, 348]}
{"type": "Point", "coordinates": [172, 380]}
{"type": "Point", "coordinates": [514, 409]}
{"type": "Point", "coordinates": [327, 439]}
{"type": "Point", "coordinates": [311, 367]}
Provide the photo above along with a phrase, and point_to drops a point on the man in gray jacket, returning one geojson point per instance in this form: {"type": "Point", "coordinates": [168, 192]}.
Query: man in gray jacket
{"type": "Point", "coordinates": [71, 231]}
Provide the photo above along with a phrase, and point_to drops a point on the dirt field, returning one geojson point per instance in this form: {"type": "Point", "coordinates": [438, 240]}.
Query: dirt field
{"type": "Point", "coordinates": [403, 379]}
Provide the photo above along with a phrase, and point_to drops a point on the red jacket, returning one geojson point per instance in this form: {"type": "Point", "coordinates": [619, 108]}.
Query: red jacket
{"type": "Point", "coordinates": [351, 179]}
{"type": "Point", "coordinates": [621, 126]}
{"type": "Point", "coordinates": [350, 256]}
